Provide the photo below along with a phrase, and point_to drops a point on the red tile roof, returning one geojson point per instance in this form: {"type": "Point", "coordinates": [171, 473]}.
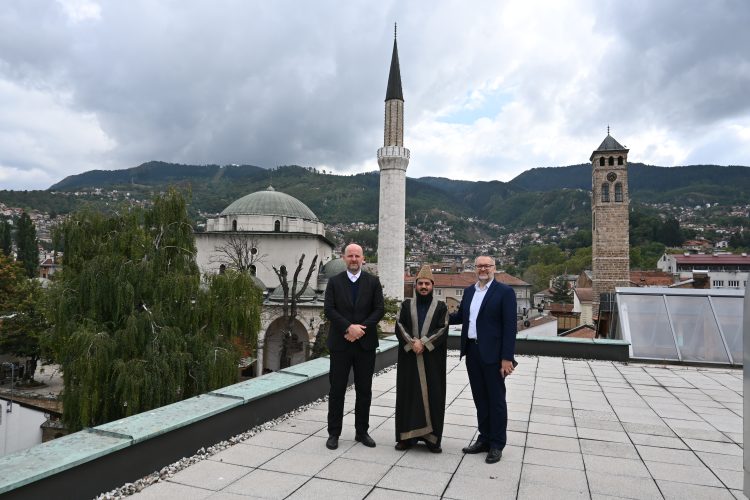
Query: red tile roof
{"type": "Point", "coordinates": [699, 259]}
{"type": "Point", "coordinates": [651, 278]}
{"type": "Point", "coordinates": [580, 332]}
{"type": "Point", "coordinates": [557, 307]}
{"type": "Point", "coordinates": [468, 278]}
{"type": "Point", "coordinates": [584, 294]}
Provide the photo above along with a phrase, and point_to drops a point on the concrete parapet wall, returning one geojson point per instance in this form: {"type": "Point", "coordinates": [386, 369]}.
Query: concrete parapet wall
{"type": "Point", "coordinates": [92, 461]}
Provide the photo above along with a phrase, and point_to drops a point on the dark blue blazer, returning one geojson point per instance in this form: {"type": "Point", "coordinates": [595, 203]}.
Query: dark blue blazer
{"type": "Point", "coordinates": [496, 322]}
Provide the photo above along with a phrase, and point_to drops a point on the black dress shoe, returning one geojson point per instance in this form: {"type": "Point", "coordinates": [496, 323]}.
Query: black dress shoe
{"type": "Point", "coordinates": [332, 443]}
{"type": "Point", "coordinates": [365, 439]}
{"type": "Point", "coordinates": [403, 445]}
{"type": "Point", "coordinates": [494, 455]}
{"type": "Point", "coordinates": [434, 448]}
{"type": "Point", "coordinates": [476, 447]}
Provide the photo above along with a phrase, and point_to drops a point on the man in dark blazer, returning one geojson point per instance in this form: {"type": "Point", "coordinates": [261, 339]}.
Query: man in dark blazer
{"type": "Point", "coordinates": [488, 338]}
{"type": "Point", "coordinates": [354, 304]}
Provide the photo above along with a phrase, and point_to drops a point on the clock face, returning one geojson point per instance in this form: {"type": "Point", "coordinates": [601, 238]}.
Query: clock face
{"type": "Point", "coordinates": [611, 177]}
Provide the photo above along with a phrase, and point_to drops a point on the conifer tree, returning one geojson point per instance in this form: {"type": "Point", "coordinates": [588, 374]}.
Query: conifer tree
{"type": "Point", "coordinates": [27, 245]}
{"type": "Point", "coordinates": [6, 237]}
{"type": "Point", "coordinates": [134, 326]}
{"type": "Point", "coordinates": [561, 292]}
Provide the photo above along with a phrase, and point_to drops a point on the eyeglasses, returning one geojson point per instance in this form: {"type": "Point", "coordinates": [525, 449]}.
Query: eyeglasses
{"type": "Point", "coordinates": [485, 266]}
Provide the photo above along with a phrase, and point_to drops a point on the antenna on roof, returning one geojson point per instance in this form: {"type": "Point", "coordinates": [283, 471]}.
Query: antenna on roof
{"type": "Point", "coordinates": [607, 129]}
{"type": "Point", "coordinates": [395, 28]}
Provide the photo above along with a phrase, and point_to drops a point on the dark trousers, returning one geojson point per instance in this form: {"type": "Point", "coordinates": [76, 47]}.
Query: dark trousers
{"type": "Point", "coordinates": [342, 362]}
{"type": "Point", "coordinates": [488, 389]}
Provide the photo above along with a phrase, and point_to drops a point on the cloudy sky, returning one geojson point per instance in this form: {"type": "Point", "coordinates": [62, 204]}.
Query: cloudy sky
{"type": "Point", "coordinates": [491, 88]}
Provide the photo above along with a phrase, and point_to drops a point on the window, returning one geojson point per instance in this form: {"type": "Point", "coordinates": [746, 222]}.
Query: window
{"type": "Point", "coordinates": [277, 226]}
{"type": "Point", "coordinates": [234, 225]}
{"type": "Point", "coordinates": [605, 192]}
{"type": "Point", "coordinates": [619, 160]}
{"type": "Point", "coordinates": [601, 161]}
{"type": "Point", "coordinates": [438, 291]}
{"type": "Point", "coordinates": [618, 192]}
{"type": "Point", "coordinates": [459, 293]}
{"type": "Point", "coordinates": [611, 160]}
{"type": "Point", "coordinates": [718, 283]}
{"type": "Point", "coordinates": [733, 283]}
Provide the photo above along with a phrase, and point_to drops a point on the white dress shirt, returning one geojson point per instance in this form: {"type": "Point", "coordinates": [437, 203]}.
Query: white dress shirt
{"type": "Point", "coordinates": [354, 277]}
{"type": "Point", "coordinates": [476, 304]}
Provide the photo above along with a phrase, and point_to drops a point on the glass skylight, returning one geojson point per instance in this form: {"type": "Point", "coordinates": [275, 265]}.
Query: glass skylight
{"type": "Point", "coordinates": [674, 324]}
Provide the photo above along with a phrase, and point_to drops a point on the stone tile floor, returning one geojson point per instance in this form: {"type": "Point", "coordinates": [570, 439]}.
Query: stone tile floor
{"type": "Point", "coordinates": [577, 429]}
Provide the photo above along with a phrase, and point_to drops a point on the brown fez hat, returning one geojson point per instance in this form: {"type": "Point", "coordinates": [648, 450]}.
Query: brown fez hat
{"type": "Point", "coordinates": [425, 274]}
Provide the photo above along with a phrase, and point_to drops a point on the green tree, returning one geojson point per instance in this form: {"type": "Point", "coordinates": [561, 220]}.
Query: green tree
{"type": "Point", "coordinates": [290, 305]}
{"type": "Point", "coordinates": [21, 331]}
{"type": "Point", "coordinates": [561, 292]}
{"type": "Point", "coordinates": [646, 256]}
{"type": "Point", "coordinates": [133, 326]}
{"type": "Point", "coordinates": [11, 275]}
{"type": "Point", "coordinates": [6, 237]}
{"type": "Point", "coordinates": [27, 245]}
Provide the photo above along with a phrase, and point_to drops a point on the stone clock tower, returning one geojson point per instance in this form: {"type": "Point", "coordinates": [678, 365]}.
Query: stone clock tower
{"type": "Point", "coordinates": [610, 250]}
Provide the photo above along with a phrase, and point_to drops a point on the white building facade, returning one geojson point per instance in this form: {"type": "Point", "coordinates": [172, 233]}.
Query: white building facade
{"type": "Point", "coordinates": [393, 159]}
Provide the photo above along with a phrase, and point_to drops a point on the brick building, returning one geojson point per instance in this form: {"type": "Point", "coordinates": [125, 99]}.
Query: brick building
{"type": "Point", "coordinates": [610, 252]}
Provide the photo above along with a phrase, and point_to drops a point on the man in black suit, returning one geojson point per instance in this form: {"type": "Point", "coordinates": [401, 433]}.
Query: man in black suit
{"type": "Point", "coordinates": [354, 304]}
{"type": "Point", "coordinates": [488, 338]}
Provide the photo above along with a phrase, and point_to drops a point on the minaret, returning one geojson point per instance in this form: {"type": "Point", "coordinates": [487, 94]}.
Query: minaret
{"type": "Point", "coordinates": [610, 246]}
{"type": "Point", "coordinates": [393, 158]}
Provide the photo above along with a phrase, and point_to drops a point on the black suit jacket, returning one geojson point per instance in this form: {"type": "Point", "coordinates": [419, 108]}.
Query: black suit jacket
{"type": "Point", "coordinates": [496, 322]}
{"type": "Point", "coordinates": [341, 312]}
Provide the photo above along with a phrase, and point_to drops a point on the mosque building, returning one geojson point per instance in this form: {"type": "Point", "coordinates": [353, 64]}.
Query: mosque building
{"type": "Point", "coordinates": [256, 233]}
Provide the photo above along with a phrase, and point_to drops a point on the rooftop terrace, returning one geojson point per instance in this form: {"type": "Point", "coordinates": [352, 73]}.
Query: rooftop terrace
{"type": "Point", "coordinates": [577, 429]}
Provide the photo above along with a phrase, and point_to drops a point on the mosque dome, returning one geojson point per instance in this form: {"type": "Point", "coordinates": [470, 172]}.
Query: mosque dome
{"type": "Point", "coordinates": [258, 282]}
{"type": "Point", "coordinates": [334, 267]}
{"type": "Point", "coordinates": [270, 202]}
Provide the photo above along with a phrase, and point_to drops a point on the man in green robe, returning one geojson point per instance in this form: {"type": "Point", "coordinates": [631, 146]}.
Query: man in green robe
{"type": "Point", "coordinates": [422, 332]}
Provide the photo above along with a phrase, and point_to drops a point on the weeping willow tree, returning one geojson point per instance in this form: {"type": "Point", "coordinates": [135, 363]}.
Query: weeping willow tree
{"type": "Point", "coordinates": [134, 327]}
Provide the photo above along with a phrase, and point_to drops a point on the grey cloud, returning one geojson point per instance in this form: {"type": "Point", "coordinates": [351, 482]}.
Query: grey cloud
{"type": "Point", "coordinates": [680, 64]}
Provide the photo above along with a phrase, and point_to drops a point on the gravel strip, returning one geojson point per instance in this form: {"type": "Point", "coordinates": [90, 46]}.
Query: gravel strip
{"type": "Point", "coordinates": [165, 473]}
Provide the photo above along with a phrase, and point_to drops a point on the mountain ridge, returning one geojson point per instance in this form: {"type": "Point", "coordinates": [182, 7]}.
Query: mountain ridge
{"type": "Point", "coordinates": [544, 195]}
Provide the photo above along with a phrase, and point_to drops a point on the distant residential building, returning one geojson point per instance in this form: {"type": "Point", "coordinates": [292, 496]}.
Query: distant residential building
{"type": "Point", "coordinates": [566, 317]}
{"type": "Point", "coordinates": [540, 326]}
{"type": "Point", "coordinates": [449, 287]}
{"type": "Point", "coordinates": [543, 298]}
{"type": "Point", "coordinates": [723, 270]}
{"type": "Point", "coordinates": [20, 425]}
{"type": "Point", "coordinates": [582, 305]}
{"type": "Point", "coordinates": [696, 245]}
{"type": "Point", "coordinates": [48, 267]}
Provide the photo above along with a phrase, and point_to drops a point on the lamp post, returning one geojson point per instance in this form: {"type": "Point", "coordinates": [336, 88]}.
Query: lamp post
{"type": "Point", "coordinates": [12, 383]}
